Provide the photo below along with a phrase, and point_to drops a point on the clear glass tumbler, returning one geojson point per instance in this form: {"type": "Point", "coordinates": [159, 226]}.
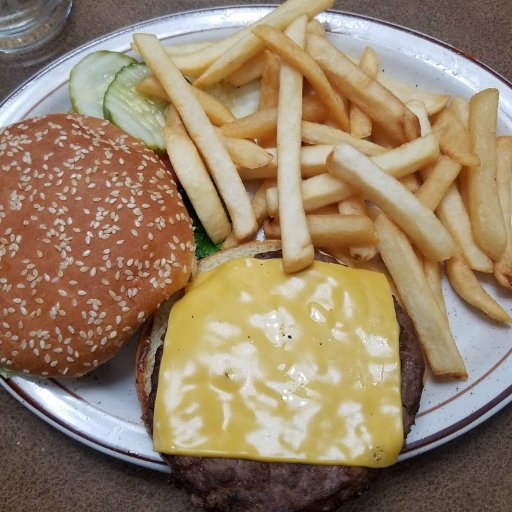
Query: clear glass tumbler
{"type": "Point", "coordinates": [28, 24]}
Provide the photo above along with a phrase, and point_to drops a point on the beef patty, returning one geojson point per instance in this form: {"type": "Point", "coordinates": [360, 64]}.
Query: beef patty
{"type": "Point", "coordinates": [239, 485]}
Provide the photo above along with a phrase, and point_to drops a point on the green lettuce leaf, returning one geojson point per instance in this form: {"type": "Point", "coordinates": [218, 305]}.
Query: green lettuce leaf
{"type": "Point", "coordinates": [204, 246]}
{"type": "Point", "coordinates": [6, 374]}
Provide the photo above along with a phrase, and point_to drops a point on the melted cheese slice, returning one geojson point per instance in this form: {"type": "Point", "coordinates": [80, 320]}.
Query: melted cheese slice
{"type": "Point", "coordinates": [262, 365]}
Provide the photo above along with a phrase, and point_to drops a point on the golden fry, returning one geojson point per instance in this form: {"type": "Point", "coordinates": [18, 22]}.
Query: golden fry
{"type": "Point", "coordinates": [314, 133]}
{"type": "Point", "coordinates": [367, 93]}
{"type": "Point", "coordinates": [419, 300]}
{"type": "Point", "coordinates": [360, 123]}
{"type": "Point", "coordinates": [216, 111]}
{"type": "Point", "coordinates": [262, 124]}
{"type": "Point", "coordinates": [467, 286]}
{"type": "Point", "coordinates": [259, 206]}
{"type": "Point", "coordinates": [194, 178]}
{"type": "Point", "coordinates": [248, 46]}
{"type": "Point", "coordinates": [202, 133]}
{"type": "Point", "coordinates": [452, 213]}
{"type": "Point", "coordinates": [323, 189]}
{"type": "Point", "coordinates": [427, 232]}
{"type": "Point", "coordinates": [460, 107]}
{"type": "Point", "coordinates": [269, 95]}
{"type": "Point", "coordinates": [410, 182]}
{"type": "Point", "coordinates": [296, 57]}
{"type": "Point", "coordinates": [245, 152]}
{"type": "Point", "coordinates": [503, 267]}
{"type": "Point", "coordinates": [437, 182]}
{"type": "Point", "coordinates": [315, 27]}
{"type": "Point", "coordinates": [434, 103]}
{"type": "Point", "coordinates": [355, 205]}
{"type": "Point", "coordinates": [247, 72]}
{"type": "Point", "coordinates": [418, 108]}
{"type": "Point", "coordinates": [193, 64]}
{"type": "Point", "coordinates": [454, 139]}
{"type": "Point", "coordinates": [331, 230]}
{"type": "Point", "coordinates": [482, 190]}
{"type": "Point", "coordinates": [433, 276]}
{"type": "Point", "coordinates": [298, 250]}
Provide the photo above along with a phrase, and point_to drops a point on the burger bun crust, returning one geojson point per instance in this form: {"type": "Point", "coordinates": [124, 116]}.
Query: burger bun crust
{"type": "Point", "coordinates": [93, 237]}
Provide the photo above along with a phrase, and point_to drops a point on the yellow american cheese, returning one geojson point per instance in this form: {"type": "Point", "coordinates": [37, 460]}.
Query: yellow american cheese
{"type": "Point", "coordinates": [262, 365]}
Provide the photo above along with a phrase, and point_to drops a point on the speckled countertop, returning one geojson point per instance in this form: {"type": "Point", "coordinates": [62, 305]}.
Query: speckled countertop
{"type": "Point", "coordinates": [44, 470]}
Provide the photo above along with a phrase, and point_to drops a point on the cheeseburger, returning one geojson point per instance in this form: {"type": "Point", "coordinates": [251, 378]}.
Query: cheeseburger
{"type": "Point", "coordinates": [272, 392]}
{"type": "Point", "coordinates": [93, 237]}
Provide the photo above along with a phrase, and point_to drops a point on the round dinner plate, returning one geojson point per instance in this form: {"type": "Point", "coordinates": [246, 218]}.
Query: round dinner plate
{"type": "Point", "coordinates": [101, 409]}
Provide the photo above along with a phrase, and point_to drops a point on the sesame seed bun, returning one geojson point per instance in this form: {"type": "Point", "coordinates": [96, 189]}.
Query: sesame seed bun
{"type": "Point", "coordinates": [93, 237]}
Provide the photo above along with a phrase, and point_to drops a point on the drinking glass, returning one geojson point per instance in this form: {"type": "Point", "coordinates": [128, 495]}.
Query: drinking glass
{"type": "Point", "coordinates": [26, 25]}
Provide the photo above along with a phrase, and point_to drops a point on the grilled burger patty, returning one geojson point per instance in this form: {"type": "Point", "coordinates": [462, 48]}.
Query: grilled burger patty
{"type": "Point", "coordinates": [223, 484]}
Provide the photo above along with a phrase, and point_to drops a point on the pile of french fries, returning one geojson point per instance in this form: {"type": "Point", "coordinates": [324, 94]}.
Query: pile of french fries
{"type": "Point", "coordinates": [349, 160]}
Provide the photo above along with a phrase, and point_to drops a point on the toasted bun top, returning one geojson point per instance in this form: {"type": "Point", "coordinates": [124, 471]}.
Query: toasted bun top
{"type": "Point", "coordinates": [93, 237]}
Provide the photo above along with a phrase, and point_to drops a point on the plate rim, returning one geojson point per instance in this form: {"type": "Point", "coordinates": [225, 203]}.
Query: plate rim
{"type": "Point", "coordinates": [415, 448]}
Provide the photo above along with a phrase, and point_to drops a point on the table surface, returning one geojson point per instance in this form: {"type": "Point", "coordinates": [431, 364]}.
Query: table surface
{"type": "Point", "coordinates": [43, 470]}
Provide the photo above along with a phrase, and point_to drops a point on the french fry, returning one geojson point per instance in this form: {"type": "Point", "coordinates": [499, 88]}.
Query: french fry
{"type": "Point", "coordinates": [181, 48]}
{"type": "Point", "coordinates": [259, 202]}
{"type": "Point", "coordinates": [418, 108]}
{"type": "Point", "coordinates": [434, 103]}
{"type": "Point", "coordinates": [409, 157]}
{"type": "Point", "coordinates": [202, 133]}
{"type": "Point", "coordinates": [419, 300]}
{"type": "Point", "coordinates": [313, 110]}
{"type": "Point", "coordinates": [467, 286]}
{"type": "Point", "coordinates": [355, 206]}
{"type": "Point", "coordinates": [269, 95]}
{"type": "Point", "coordinates": [315, 27]}
{"type": "Point", "coordinates": [410, 182]}
{"type": "Point", "coordinates": [381, 137]}
{"type": "Point", "coordinates": [331, 230]}
{"type": "Point", "coordinates": [296, 57]}
{"type": "Point", "coordinates": [503, 267]}
{"type": "Point", "coordinates": [360, 123]}
{"type": "Point", "coordinates": [460, 107]}
{"type": "Point", "coordinates": [193, 64]}
{"type": "Point", "coordinates": [317, 192]}
{"type": "Point", "coordinates": [245, 152]}
{"type": "Point", "coordinates": [438, 180]}
{"type": "Point", "coordinates": [452, 213]}
{"type": "Point", "coordinates": [259, 206]}
{"type": "Point", "coordinates": [186, 48]}
{"type": "Point", "coordinates": [250, 45]}
{"type": "Point", "coordinates": [251, 70]}
{"type": "Point", "coordinates": [367, 93]}
{"type": "Point", "coordinates": [482, 190]}
{"type": "Point", "coordinates": [454, 139]}
{"type": "Point", "coordinates": [323, 189]}
{"type": "Point", "coordinates": [194, 178]}
{"type": "Point", "coordinates": [312, 163]}
{"type": "Point", "coordinates": [427, 232]}
{"type": "Point", "coordinates": [314, 133]}
{"type": "Point", "coordinates": [432, 270]}
{"type": "Point", "coordinates": [262, 124]}
{"type": "Point", "coordinates": [298, 250]}
{"type": "Point", "coordinates": [216, 111]}
{"type": "Point", "coordinates": [330, 209]}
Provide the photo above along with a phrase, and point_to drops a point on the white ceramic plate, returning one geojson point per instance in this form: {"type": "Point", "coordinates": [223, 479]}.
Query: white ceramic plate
{"type": "Point", "coordinates": [101, 410]}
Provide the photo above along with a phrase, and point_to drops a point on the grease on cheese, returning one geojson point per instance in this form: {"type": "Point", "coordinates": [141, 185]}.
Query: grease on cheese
{"type": "Point", "coordinates": [262, 365]}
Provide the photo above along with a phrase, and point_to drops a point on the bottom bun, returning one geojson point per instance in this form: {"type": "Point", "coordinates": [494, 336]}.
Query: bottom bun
{"type": "Point", "coordinates": [225, 484]}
